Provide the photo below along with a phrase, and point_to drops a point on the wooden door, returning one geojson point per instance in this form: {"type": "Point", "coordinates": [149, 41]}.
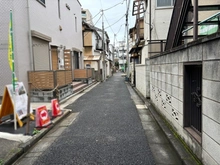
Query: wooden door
{"type": "Point", "coordinates": [54, 58]}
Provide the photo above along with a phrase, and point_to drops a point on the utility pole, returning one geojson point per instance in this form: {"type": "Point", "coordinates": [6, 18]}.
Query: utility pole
{"type": "Point", "coordinates": [128, 59]}
{"type": "Point", "coordinates": [123, 55]}
{"type": "Point", "coordinates": [137, 39]}
{"type": "Point", "coordinates": [114, 54]}
{"type": "Point", "coordinates": [103, 48]}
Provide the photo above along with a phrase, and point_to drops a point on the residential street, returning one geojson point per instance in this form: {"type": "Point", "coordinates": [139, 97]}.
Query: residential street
{"type": "Point", "coordinates": [105, 128]}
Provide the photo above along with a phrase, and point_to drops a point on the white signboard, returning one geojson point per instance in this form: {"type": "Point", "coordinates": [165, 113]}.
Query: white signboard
{"type": "Point", "coordinates": [21, 99]}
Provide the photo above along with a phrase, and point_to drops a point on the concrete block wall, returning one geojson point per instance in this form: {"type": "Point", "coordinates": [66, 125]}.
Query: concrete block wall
{"type": "Point", "coordinates": [167, 88]}
{"type": "Point", "coordinates": [166, 83]}
{"type": "Point", "coordinates": [147, 68]}
{"type": "Point", "coordinates": [211, 103]}
{"type": "Point", "coordinates": [141, 79]}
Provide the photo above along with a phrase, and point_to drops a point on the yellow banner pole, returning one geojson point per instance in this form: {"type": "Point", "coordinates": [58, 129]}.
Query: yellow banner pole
{"type": "Point", "coordinates": [11, 63]}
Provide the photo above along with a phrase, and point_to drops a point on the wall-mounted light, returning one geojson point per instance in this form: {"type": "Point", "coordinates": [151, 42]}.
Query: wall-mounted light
{"type": "Point", "coordinates": [60, 27]}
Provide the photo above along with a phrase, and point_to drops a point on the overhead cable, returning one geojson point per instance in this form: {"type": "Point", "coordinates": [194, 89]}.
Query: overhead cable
{"type": "Point", "coordinates": [98, 20]}
{"type": "Point", "coordinates": [93, 17]}
{"type": "Point", "coordinates": [121, 3]}
{"type": "Point", "coordinates": [115, 22]}
{"type": "Point", "coordinates": [94, 25]}
{"type": "Point", "coordinates": [120, 28]}
{"type": "Point", "coordinates": [108, 23]}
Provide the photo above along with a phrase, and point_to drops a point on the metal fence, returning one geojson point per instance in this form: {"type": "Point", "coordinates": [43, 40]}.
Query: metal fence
{"type": "Point", "coordinates": [5, 72]}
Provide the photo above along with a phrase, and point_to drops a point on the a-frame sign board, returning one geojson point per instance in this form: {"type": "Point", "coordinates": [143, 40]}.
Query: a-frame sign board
{"type": "Point", "coordinates": [7, 107]}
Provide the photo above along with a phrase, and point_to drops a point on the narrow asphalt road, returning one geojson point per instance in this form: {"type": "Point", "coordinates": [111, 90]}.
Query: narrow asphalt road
{"type": "Point", "coordinates": [107, 131]}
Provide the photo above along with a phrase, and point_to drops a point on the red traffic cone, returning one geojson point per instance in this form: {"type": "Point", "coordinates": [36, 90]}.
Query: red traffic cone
{"type": "Point", "coordinates": [42, 117]}
{"type": "Point", "coordinates": [55, 108]}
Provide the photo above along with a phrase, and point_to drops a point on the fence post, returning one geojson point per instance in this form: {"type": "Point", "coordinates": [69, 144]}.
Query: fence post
{"type": "Point", "coordinates": [28, 109]}
{"type": "Point", "coordinates": [54, 83]}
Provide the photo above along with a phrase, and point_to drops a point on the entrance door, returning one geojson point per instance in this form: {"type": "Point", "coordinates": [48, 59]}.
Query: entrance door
{"type": "Point", "coordinates": [76, 55]}
{"type": "Point", "coordinates": [54, 56]}
{"type": "Point", "coordinates": [192, 97]}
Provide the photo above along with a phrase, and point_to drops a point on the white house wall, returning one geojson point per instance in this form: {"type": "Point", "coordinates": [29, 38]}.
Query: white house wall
{"type": "Point", "coordinates": [46, 21]}
{"type": "Point", "coordinates": [94, 41]}
{"type": "Point", "coordinates": [94, 64]}
{"type": "Point", "coordinates": [141, 79]}
{"type": "Point", "coordinates": [161, 22]}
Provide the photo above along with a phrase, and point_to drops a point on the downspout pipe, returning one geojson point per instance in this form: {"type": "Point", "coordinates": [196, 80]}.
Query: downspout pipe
{"type": "Point", "coordinates": [29, 36]}
{"type": "Point", "coordinates": [195, 20]}
{"type": "Point", "coordinates": [150, 14]}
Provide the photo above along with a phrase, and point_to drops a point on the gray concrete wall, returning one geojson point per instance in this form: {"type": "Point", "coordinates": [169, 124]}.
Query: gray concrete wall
{"type": "Point", "coordinates": [167, 88]}
{"type": "Point", "coordinates": [148, 69]}
{"type": "Point", "coordinates": [141, 79]}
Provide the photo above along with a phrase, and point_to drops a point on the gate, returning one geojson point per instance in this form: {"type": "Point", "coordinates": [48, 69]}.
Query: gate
{"type": "Point", "coordinates": [192, 97]}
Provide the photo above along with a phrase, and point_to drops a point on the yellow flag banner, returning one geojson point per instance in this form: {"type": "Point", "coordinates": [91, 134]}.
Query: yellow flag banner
{"type": "Point", "coordinates": [11, 49]}
{"type": "Point", "coordinates": [10, 57]}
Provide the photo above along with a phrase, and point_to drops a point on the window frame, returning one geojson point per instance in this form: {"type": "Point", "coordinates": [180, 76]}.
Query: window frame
{"type": "Point", "coordinates": [59, 11]}
{"type": "Point", "coordinates": [168, 6]}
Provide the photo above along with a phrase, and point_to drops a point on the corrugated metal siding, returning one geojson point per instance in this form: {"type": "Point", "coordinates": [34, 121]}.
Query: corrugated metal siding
{"type": "Point", "coordinates": [41, 54]}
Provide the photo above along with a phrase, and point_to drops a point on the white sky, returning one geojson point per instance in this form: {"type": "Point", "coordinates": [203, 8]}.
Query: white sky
{"type": "Point", "coordinates": [112, 16]}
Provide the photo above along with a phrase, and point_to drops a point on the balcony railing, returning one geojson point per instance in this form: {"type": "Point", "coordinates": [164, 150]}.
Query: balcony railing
{"type": "Point", "coordinates": [156, 47]}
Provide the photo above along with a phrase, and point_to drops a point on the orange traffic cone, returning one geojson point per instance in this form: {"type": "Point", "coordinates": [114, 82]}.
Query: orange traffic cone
{"type": "Point", "coordinates": [55, 108]}
{"type": "Point", "coordinates": [42, 117]}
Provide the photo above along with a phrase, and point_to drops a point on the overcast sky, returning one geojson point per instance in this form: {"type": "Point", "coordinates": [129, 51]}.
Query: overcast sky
{"type": "Point", "coordinates": [113, 21]}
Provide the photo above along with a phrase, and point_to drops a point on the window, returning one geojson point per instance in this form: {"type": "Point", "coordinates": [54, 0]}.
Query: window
{"type": "Point", "coordinates": [59, 9]}
{"type": "Point", "coordinates": [88, 66]}
{"type": "Point", "coordinates": [83, 14]}
{"type": "Point", "coordinates": [165, 3]}
{"type": "Point", "coordinates": [76, 24]}
{"type": "Point", "coordinates": [42, 1]}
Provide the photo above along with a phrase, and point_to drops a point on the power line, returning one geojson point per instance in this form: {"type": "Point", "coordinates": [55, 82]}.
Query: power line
{"type": "Point", "coordinates": [98, 20]}
{"type": "Point", "coordinates": [121, 3]}
{"type": "Point", "coordinates": [108, 23]}
{"type": "Point", "coordinates": [93, 17]}
{"type": "Point", "coordinates": [101, 3]}
{"type": "Point", "coordinates": [115, 22]}
{"type": "Point", "coordinates": [94, 24]}
{"type": "Point", "coordinates": [119, 29]}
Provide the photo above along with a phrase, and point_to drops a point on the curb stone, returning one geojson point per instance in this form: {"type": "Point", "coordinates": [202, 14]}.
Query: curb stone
{"type": "Point", "coordinates": [23, 148]}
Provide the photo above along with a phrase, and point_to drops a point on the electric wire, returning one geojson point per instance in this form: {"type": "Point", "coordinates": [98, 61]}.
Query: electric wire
{"type": "Point", "coordinates": [121, 3]}
{"type": "Point", "coordinates": [108, 23]}
{"type": "Point", "coordinates": [109, 26]}
{"type": "Point", "coordinates": [115, 22]}
{"type": "Point", "coordinates": [98, 20]}
{"type": "Point", "coordinates": [94, 24]}
{"type": "Point", "coordinates": [93, 17]}
{"type": "Point", "coordinates": [119, 28]}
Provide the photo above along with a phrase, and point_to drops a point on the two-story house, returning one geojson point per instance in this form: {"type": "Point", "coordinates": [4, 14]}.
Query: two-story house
{"type": "Point", "coordinates": [148, 37]}
{"type": "Point", "coordinates": [95, 53]}
{"type": "Point", "coordinates": [183, 81]}
{"type": "Point", "coordinates": [47, 37]}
